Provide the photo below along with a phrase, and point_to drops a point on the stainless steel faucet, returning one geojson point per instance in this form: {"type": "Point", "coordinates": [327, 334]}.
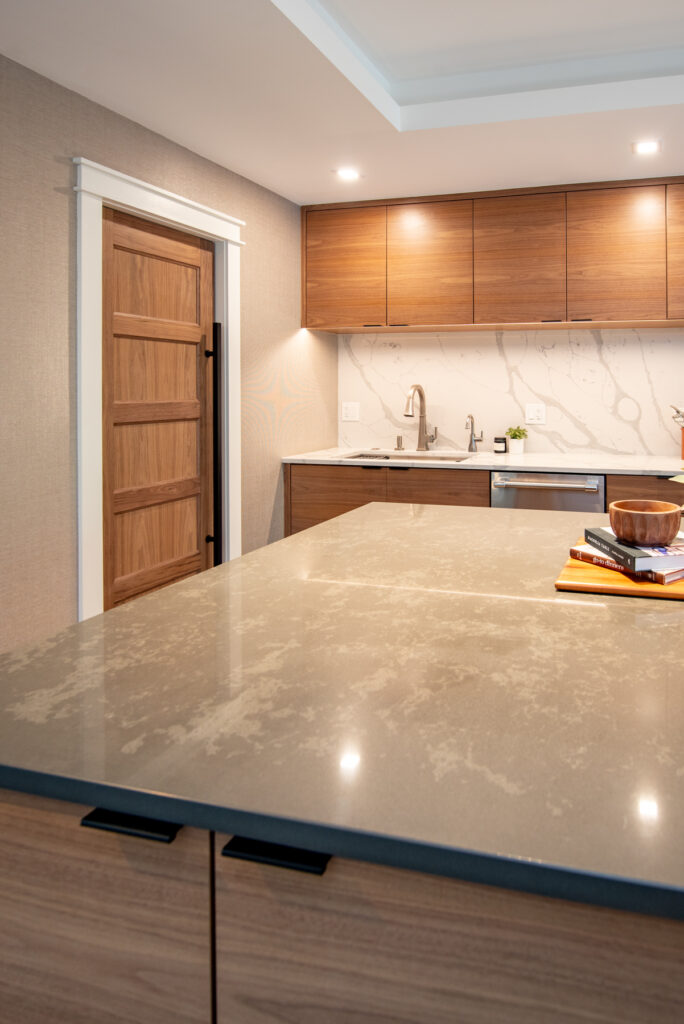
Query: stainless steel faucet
{"type": "Point", "coordinates": [474, 438]}
{"type": "Point", "coordinates": [423, 437]}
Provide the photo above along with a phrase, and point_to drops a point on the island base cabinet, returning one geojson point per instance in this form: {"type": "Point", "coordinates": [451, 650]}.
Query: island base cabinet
{"type": "Point", "coordinates": [97, 926]}
{"type": "Point", "coordinates": [365, 943]}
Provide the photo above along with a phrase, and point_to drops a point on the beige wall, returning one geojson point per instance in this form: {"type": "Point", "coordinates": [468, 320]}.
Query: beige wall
{"type": "Point", "coordinates": [289, 377]}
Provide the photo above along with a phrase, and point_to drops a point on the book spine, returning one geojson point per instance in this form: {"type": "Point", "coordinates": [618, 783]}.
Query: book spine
{"type": "Point", "coordinates": [597, 541]}
{"type": "Point", "coordinates": [607, 563]}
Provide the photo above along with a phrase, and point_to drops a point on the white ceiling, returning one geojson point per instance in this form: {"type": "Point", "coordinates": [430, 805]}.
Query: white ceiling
{"type": "Point", "coordinates": [436, 97]}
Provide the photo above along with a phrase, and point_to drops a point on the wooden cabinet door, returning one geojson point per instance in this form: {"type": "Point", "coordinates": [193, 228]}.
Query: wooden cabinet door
{"type": "Point", "coordinates": [652, 488]}
{"type": "Point", "coordinates": [438, 486]}
{"type": "Point", "coordinates": [318, 493]}
{"type": "Point", "coordinates": [616, 254]}
{"type": "Point", "coordinates": [364, 943]}
{"type": "Point", "coordinates": [519, 259]}
{"type": "Point", "coordinates": [98, 926]}
{"type": "Point", "coordinates": [430, 263]}
{"type": "Point", "coordinates": [346, 267]}
{"type": "Point", "coordinates": [675, 251]}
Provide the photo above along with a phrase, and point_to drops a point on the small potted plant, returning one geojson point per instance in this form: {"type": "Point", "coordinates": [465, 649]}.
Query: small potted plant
{"type": "Point", "coordinates": [516, 440]}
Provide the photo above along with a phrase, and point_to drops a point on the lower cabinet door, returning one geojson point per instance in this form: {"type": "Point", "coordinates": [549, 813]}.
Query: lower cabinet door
{"type": "Point", "coordinates": [438, 486]}
{"type": "Point", "coordinates": [319, 493]}
{"type": "Point", "coordinates": [363, 943]}
{"type": "Point", "coordinates": [652, 488]}
{"type": "Point", "coordinates": [98, 927]}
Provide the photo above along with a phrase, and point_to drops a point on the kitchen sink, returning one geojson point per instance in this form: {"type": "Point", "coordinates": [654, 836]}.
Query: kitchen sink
{"type": "Point", "coordinates": [443, 455]}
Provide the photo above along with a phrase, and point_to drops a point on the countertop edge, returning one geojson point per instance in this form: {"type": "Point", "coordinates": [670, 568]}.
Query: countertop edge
{"type": "Point", "coordinates": [533, 878]}
{"type": "Point", "coordinates": [489, 462]}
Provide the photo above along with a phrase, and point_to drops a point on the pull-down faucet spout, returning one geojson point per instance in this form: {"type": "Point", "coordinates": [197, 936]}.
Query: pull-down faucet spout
{"type": "Point", "coordinates": [423, 436]}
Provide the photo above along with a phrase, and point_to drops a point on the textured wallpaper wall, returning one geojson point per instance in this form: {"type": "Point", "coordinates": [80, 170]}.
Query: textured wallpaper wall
{"type": "Point", "coordinates": [289, 376]}
{"type": "Point", "coordinates": [604, 391]}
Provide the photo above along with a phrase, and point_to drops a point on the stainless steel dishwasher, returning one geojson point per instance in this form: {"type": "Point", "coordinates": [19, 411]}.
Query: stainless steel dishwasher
{"type": "Point", "coordinates": [565, 492]}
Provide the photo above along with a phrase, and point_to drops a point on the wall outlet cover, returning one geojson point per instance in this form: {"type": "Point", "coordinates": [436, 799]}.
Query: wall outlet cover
{"type": "Point", "coordinates": [351, 412]}
{"type": "Point", "coordinates": [535, 412]}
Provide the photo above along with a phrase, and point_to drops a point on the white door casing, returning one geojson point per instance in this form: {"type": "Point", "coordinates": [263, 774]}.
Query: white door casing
{"type": "Point", "coordinates": [97, 186]}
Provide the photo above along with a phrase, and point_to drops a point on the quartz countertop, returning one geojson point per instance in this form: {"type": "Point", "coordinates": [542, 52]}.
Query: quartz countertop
{"type": "Point", "coordinates": [539, 462]}
{"type": "Point", "coordinates": [402, 684]}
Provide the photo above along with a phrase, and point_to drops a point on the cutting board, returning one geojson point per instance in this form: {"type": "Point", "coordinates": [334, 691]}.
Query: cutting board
{"type": "Point", "coordinates": [595, 579]}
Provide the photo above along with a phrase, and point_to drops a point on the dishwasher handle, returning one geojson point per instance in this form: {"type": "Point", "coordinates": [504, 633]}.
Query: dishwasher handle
{"type": "Point", "coordinates": [530, 485]}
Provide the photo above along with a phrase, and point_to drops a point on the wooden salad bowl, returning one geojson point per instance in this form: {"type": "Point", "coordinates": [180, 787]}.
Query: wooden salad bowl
{"type": "Point", "coordinates": [643, 522]}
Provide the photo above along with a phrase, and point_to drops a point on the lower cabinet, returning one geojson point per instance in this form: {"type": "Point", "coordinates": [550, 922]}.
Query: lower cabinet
{"type": "Point", "coordinates": [314, 494]}
{"type": "Point", "coordinates": [365, 943]}
{"type": "Point", "coordinates": [653, 488]}
{"type": "Point", "coordinates": [97, 926]}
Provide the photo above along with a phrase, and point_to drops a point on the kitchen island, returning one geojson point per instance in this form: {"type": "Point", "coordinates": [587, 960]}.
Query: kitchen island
{"type": "Point", "coordinates": [400, 688]}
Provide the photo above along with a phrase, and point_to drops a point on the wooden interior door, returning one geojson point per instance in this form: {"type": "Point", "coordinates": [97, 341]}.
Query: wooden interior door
{"type": "Point", "coordinates": [430, 263]}
{"type": "Point", "coordinates": [157, 406]}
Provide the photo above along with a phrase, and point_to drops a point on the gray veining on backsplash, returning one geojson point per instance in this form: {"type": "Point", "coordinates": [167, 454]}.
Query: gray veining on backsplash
{"type": "Point", "coordinates": [605, 391]}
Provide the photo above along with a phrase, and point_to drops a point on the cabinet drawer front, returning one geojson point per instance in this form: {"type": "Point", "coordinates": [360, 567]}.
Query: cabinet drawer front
{"type": "Point", "coordinates": [368, 943]}
{"type": "Point", "coordinates": [439, 486]}
{"type": "Point", "coordinates": [97, 925]}
{"type": "Point", "coordinates": [652, 488]}
{"type": "Point", "coordinates": [318, 493]}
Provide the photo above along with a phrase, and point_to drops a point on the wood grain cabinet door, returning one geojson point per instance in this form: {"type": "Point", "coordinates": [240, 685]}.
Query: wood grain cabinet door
{"type": "Point", "coordinates": [318, 493]}
{"type": "Point", "coordinates": [364, 943]}
{"type": "Point", "coordinates": [616, 254]}
{"type": "Point", "coordinates": [430, 263]}
{"type": "Point", "coordinates": [346, 267]}
{"type": "Point", "coordinates": [100, 927]}
{"type": "Point", "coordinates": [675, 251]}
{"type": "Point", "coordinates": [519, 259]}
{"type": "Point", "coordinates": [438, 486]}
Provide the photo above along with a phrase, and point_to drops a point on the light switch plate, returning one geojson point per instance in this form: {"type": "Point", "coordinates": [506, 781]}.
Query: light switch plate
{"type": "Point", "coordinates": [351, 412]}
{"type": "Point", "coordinates": [535, 412]}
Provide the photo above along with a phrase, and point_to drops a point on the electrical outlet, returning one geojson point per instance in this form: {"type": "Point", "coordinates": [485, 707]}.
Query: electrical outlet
{"type": "Point", "coordinates": [351, 412]}
{"type": "Point", "coordinates": [535, 412]}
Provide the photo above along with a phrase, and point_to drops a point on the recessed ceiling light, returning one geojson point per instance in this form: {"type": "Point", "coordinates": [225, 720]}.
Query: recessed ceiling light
{"type": "Point", "coordinates": [348, 174]}
{"type": "Point", "coordinates": [647, 147]}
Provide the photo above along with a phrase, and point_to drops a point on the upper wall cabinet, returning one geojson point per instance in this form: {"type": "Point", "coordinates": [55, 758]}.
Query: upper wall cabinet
{"type": "Point", "coordinates": [519, 246]}
{"type": "Point", "coordinates": [675, 250]}
{"type": "Point", "coordinates": [430, 263]}
{"type": "Point", "coordinates": [346, 267]}
{"type": "Point", "coordinates": [616, 254]}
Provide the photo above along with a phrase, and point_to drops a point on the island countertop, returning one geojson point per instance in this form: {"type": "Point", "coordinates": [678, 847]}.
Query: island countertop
{"type": "Point", "coordinates": [401, 684]}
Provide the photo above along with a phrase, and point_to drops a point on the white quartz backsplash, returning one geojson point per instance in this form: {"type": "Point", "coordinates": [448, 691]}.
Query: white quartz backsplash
{"type": "Point", "coordinates": [604, 391]}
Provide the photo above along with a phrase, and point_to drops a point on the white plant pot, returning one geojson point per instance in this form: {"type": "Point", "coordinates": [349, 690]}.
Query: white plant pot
{"type": "Point", "coordinates": [516, 445]}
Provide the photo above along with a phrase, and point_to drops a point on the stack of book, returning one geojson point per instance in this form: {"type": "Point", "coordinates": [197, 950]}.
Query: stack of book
{"type": "Point", "coordinates": [663, 565]}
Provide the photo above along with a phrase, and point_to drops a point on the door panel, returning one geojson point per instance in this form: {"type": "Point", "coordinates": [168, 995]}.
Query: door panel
{"type": "Point", "coordinates": [157, 415]}
{"type": "Point", "coordinates": [152, 452]}
{"type": "Point", "coordinates": [154, 371]}
{"type": "Point", "coordinates": [151, 286]}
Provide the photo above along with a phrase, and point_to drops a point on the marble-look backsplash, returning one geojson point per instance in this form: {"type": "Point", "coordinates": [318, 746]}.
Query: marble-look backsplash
{"type": "Point", "coordinates": [605, 391]}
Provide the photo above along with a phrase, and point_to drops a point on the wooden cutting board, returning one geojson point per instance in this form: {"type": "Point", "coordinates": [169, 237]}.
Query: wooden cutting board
{"type": "Point", "coordinates": [595, 579]}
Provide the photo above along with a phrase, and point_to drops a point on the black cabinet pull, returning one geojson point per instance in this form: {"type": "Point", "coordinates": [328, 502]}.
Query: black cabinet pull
{"type": "Point", "coordinates": [394, 468]}
{"type": "Point", "coordinates": [276, 854]}
{"type": "Point", "coordinates": [131, 825]}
